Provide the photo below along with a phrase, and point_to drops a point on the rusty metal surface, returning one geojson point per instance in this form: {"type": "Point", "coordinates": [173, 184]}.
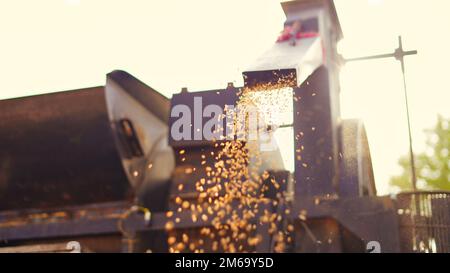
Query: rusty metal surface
{"type": "Point", "coordinates": [61, 222]}
{"type": "Point", "coordinates": [97, 221]}
{"type": "Point", "coordinates": [367, 219]}
{"type": "Point", "coordinates": [57, 150]}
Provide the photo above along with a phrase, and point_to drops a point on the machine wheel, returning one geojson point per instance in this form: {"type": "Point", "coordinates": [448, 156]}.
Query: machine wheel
{"type": "Point", "coordinates": [356, 173]}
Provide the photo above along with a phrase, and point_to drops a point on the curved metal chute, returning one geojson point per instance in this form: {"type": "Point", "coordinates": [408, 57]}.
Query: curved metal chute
{"type": "Point", "coordinates": [139, 118]}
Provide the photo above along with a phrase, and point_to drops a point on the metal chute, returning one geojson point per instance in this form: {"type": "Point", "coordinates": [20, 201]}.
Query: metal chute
{"type": "Point", "coordinates": [284, 60]}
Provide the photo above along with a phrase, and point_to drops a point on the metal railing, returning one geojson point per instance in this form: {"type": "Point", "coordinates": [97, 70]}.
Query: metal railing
{"type": "Point", "coordinates": [424, 221]}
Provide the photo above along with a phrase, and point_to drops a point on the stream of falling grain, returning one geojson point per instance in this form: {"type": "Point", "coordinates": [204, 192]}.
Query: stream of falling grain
{"type": "Point", "coordinates": [231, 197]}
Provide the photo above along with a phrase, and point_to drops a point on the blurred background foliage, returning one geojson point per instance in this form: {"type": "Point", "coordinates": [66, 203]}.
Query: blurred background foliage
{"type": "Point", "coordinates": [432, 165]}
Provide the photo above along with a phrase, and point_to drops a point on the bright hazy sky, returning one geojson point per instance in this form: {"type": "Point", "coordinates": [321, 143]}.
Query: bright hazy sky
{"type": "Point", "coordinates": [54, 45]}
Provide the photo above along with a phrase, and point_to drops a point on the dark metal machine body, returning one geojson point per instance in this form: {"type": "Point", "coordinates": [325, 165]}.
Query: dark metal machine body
{"type": "Point", "coordinates": [81, 165]}
{"type": "Point", "coordinates": [58, 150]}
{"type": "Point", "coordinates": [83, 146]}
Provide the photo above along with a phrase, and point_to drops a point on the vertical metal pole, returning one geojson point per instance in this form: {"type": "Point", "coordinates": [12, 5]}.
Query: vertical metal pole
{"type": "Point", "coordinates": [400, 57]}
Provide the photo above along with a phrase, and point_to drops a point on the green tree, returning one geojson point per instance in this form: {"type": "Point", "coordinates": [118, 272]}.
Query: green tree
{"type": "Point", "coordinates": [432, 166]}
